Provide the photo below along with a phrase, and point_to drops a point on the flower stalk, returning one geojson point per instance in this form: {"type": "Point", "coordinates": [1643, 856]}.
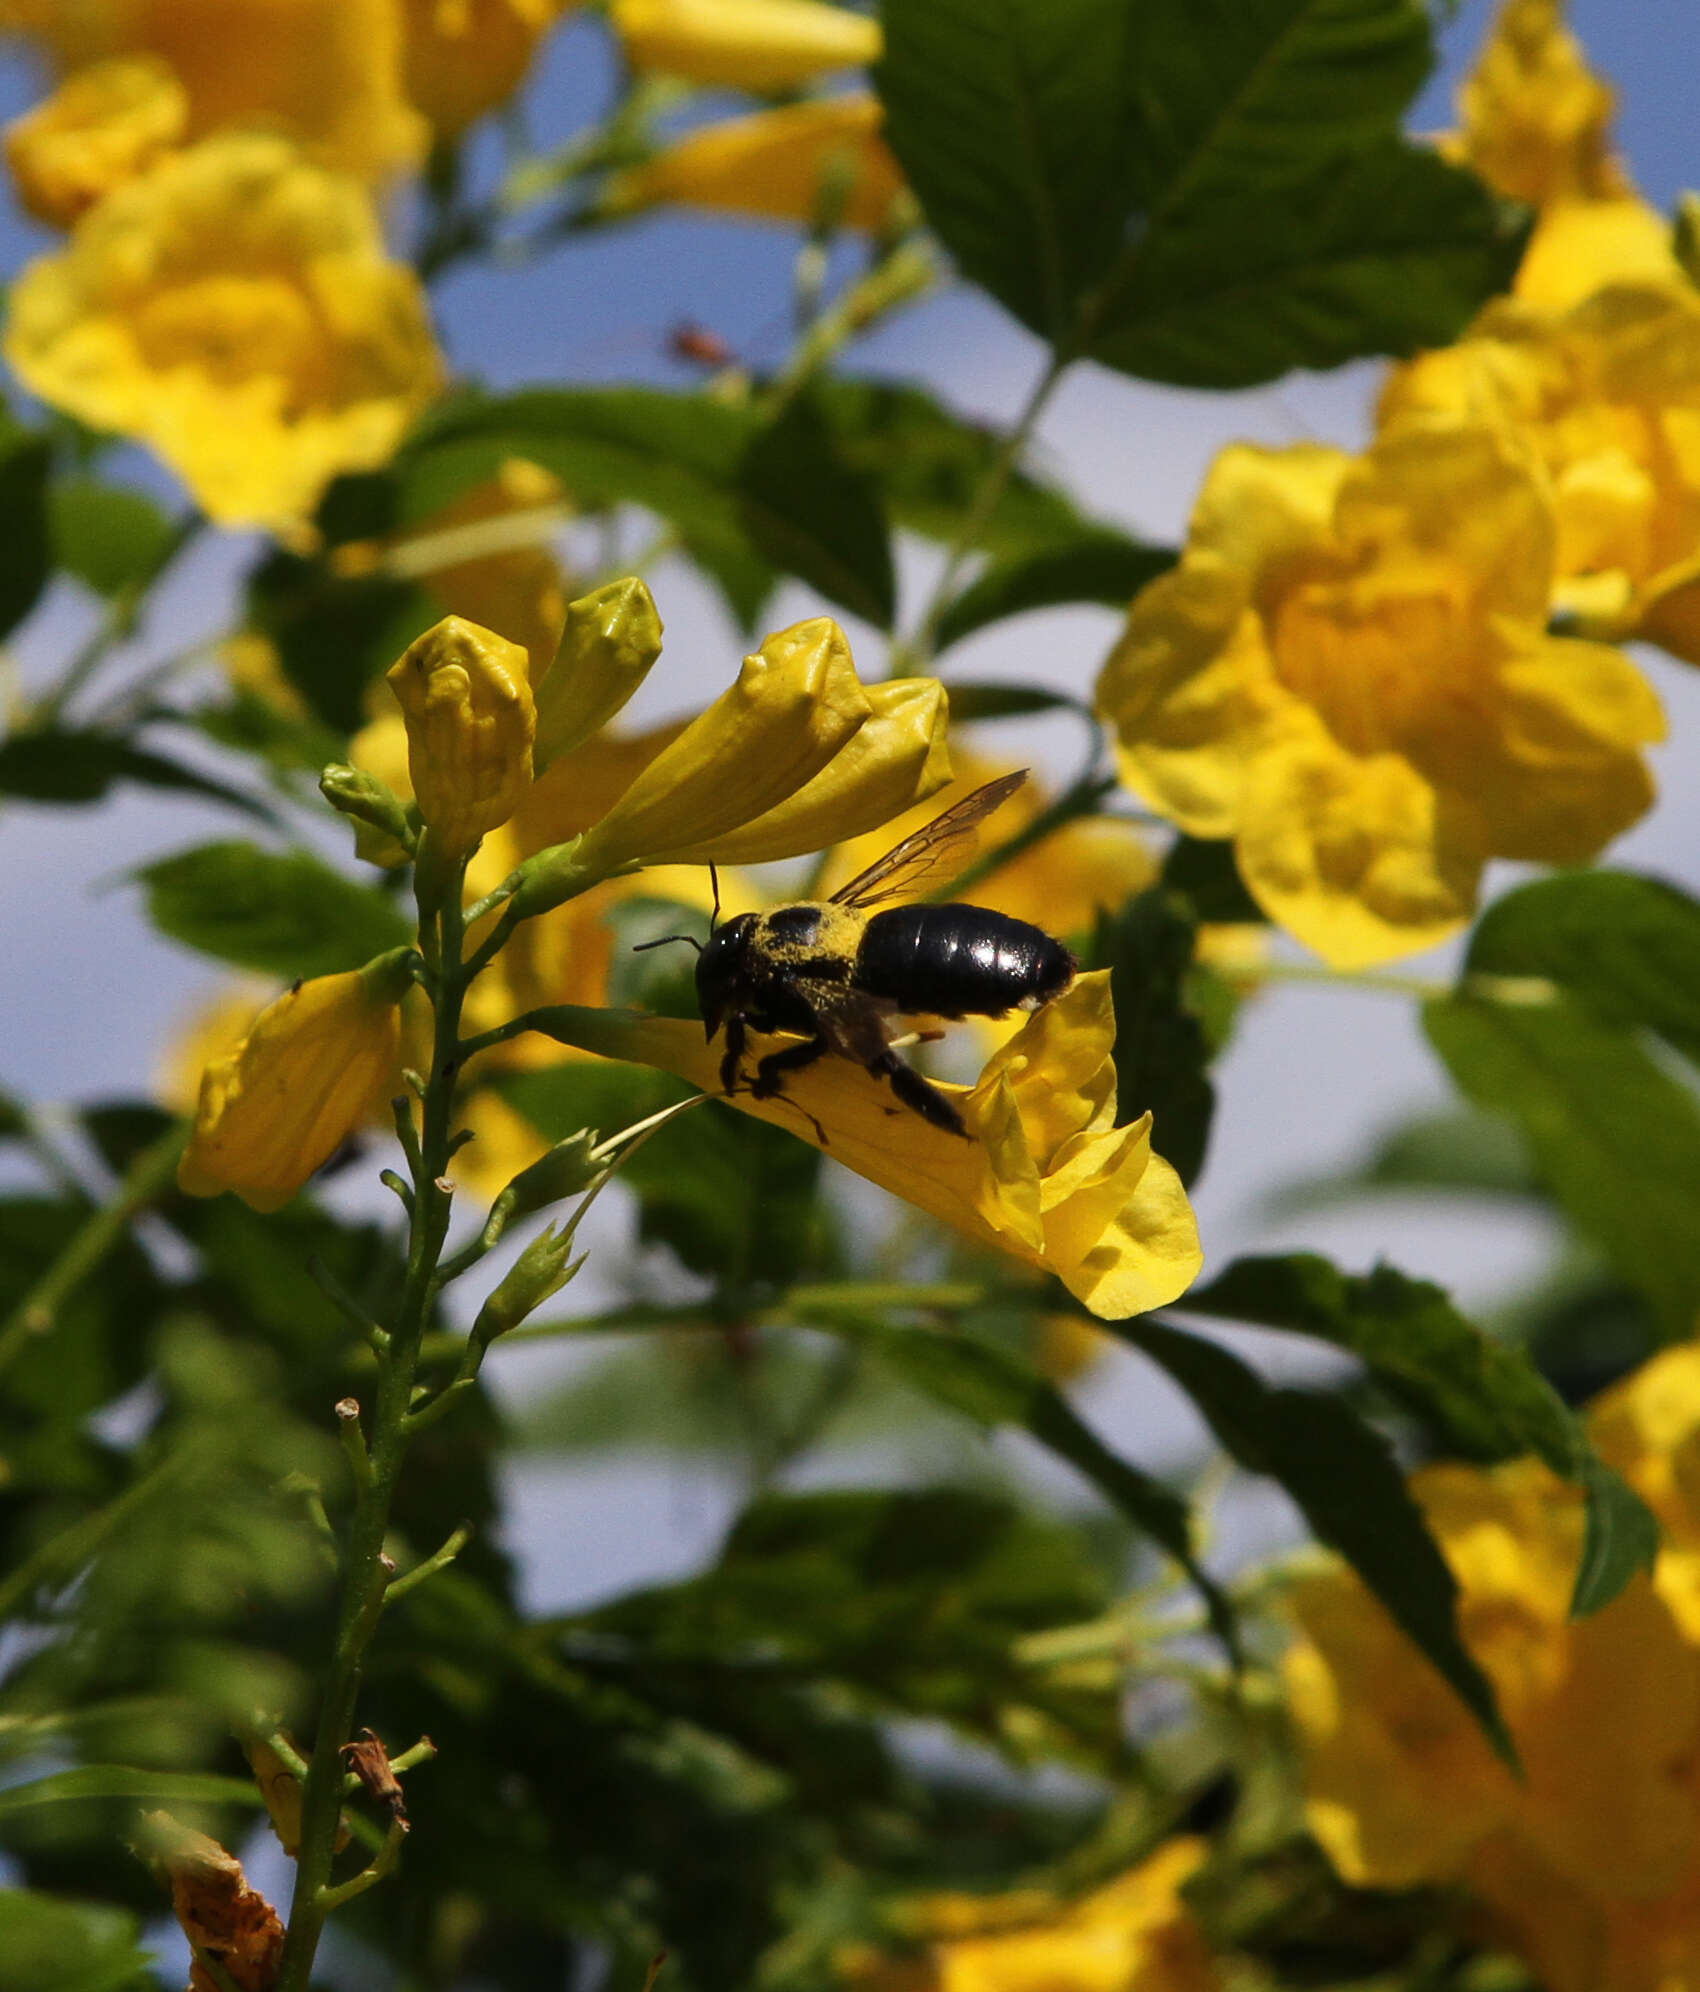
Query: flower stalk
{"type": "Point", "coordinates": [366, 1571]}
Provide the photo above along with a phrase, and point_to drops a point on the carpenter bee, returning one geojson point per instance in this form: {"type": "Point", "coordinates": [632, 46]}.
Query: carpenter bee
{"type": "Point", "coordinates": [832, 971]}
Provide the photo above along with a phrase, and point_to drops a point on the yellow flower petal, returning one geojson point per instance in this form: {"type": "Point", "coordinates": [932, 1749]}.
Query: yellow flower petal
{"type": "Point", "coordinates": [1579, 247]}
{"type": "Point", "coordinates": [465, 697]}
{"type": "Point", "coordinates": [101, 127]}
{"type": "Point", "coordinates": [744, 44]}
{"type": "Point", "coordinates": [1569, 775]}
{"type": "Point", "coordinates": [325, 72]}
{"type": "Point", "coordinates": [233, 308]}
{"type": "Point", "coordinates": [1135, 1934]}
{"type": "Point", "coordinates": [781, 164]}
{"type": "Point", "coordinates": [1119, 1231]}
{"type": "Point", "coordinates": [303, 1079]}
{"type": "Point", "coordinates": [1353, 679]}
{"type": "Point", "coordinates": [796, 704]}
{"type": "Point", "coordinates": [1355, 856]}
{"type": "Point", "coordinates": [1536, 120]}
{"type": "Point", "coordinates": [1601, 1836]}
{"type": "Point", "coordinates": [464, 57]}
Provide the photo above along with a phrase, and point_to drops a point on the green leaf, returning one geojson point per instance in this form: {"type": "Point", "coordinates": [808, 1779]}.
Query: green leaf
{"type": "Point", "coordinates": [1341, 1475]}
{"type": "Point", "coordinates": [992, 1387]}
{"type": "Point", "coordinates": [1011, 121]}
{"type": "Point", "coordinates": [282, 913]}
{"type": "Point", "coordinates": [915, 1599]}
{"type": "Point", "coordinates": [810, 514]}
{"type": "Point", "coordinates": [561, 1100]}
{"type": "Point", "coordinates": [335, 633]}
{"type": "Point", "coordinates": [54, 766]}
{"type": "Point", "coordinates": [1203, 868]}
{"type": "Point", "coordinates": [1388, 251]}
{"type": "Point", "coordinates": [1621, 1538]}
{"type": "Point", "coordinates": [930, 465]}
{"type": "Point", "coordinates": [145, 1787]}
{"type": "Point", "coordinates": [25, 553]}
{"type": "Point", "coordinates": [1207, 201]}
{"type": "Point", "coordinates": [109, 537]}
{"type": "Point", "coordinates": [734, 1198]}
{"type": "Point", "coordinates": [1099, 566]}
{"type": "Point", "coordinates": [988, 701]}
{"type": "Point", "coordinates": [1236, 92]}
{"type": "Point", "coordinates": [1476, 1396]}
{"type": "Point", "coordinates": [1615, 1138]}
{"type": "Point", "coordinates": [1457, 1150]}
{"type": "Point", "coordinates": [1626, 947]}
{"type": "Point", "coordinates": [680, 456]}
{"type": "Point", "coordinates": [1161, 1051]}
{"type": "Point", "coordinates": [50, 1944]}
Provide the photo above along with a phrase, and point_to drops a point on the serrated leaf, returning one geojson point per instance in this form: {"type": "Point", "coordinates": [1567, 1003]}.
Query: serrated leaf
{"type": "Point", "coordinates": [992, 1387]}
{"type": "Point", "coordinates": [56, 766]}
{"type": "Point", "coordinates": [1207, 201]}
{"type": "Point", "coordinates": [1611, 1135]}
{"type": "Point", "coordinates": [1341, 1475]}
{"type": "Point", "coordinates": [1385, 252]}
{"type": "Point", "coordinates": [1625, 946]}
{"type": "Point", "coordinates": [1011, 120]}
{"type": "Point", "coordinates": [1162, 1054]}
{"type": "Point", "coordinates": [144, 1787]}
{"type": "Point", "coordinates": [109, 537]}
{"type": "Point", "coordinates": [1098, 566]}
{"type": "Point", "coordinates": [1478, 1397]}
{"type": "Point", "coordinates": [283, 913]}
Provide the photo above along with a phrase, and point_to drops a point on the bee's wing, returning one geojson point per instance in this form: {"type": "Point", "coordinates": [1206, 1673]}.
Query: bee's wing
{"type": "Point", "coordinates": [932, 853]}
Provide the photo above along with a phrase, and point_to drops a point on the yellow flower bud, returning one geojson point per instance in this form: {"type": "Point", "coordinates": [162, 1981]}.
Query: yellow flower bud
{"type": "Point", "coordinates": [465, 695]}
{"type": "Point", "coordinates": [308, 1073]}
{"type": "Point", "coordinates": [783, 164]}
{"type": "Point", "coordinates": [382, 833]}
{"type": "Point", "coordinates": [796, 704]}
{"type": "Point", "coordinates": [897, 758]}
{"type": "Point", "coordinates": [611, 639]}
{"type": "Point", "coordinates": [744, 44]}
{"type": "Point", "coordinates": [102, 126]}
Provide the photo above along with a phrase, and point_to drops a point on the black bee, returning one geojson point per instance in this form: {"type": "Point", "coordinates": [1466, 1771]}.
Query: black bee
{"type": "Point", "coordinates": [831, 971]}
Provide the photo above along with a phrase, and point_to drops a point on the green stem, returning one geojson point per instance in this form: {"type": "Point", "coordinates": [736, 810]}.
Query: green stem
{"type": "Point", "coordinates": [366, 1570]}
{"type": "Point", "coordinates": [911, 656]}
{"type": "Point", "coordinates": [38, 1312]}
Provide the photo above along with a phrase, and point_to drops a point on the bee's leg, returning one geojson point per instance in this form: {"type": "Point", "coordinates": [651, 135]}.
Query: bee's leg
{"type": "Point", "coordinates": [735, 1042]}
{"type": "Point", "coordinates": [766, 1084]}
{"type": "Point", "coordinates": [916, 1092]}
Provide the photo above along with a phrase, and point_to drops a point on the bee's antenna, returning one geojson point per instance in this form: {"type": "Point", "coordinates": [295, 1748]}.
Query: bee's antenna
{"type": "Point", "coordinates": [714, 917]}
{"type": "Point", "coordinates": [642, 947]}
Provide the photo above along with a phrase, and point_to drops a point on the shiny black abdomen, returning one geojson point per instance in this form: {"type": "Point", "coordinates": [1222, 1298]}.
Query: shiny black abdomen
{"type": "Point", "coordinates": [959, 961]}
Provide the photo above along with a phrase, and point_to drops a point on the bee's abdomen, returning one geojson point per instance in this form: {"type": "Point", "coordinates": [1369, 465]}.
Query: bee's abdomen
{"type": "Point", "coordinates": [959, 961]}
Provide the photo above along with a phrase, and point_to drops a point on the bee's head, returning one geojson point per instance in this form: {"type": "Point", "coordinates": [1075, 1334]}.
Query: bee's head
{"type": "Point", "coordinates": [720, 970]}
